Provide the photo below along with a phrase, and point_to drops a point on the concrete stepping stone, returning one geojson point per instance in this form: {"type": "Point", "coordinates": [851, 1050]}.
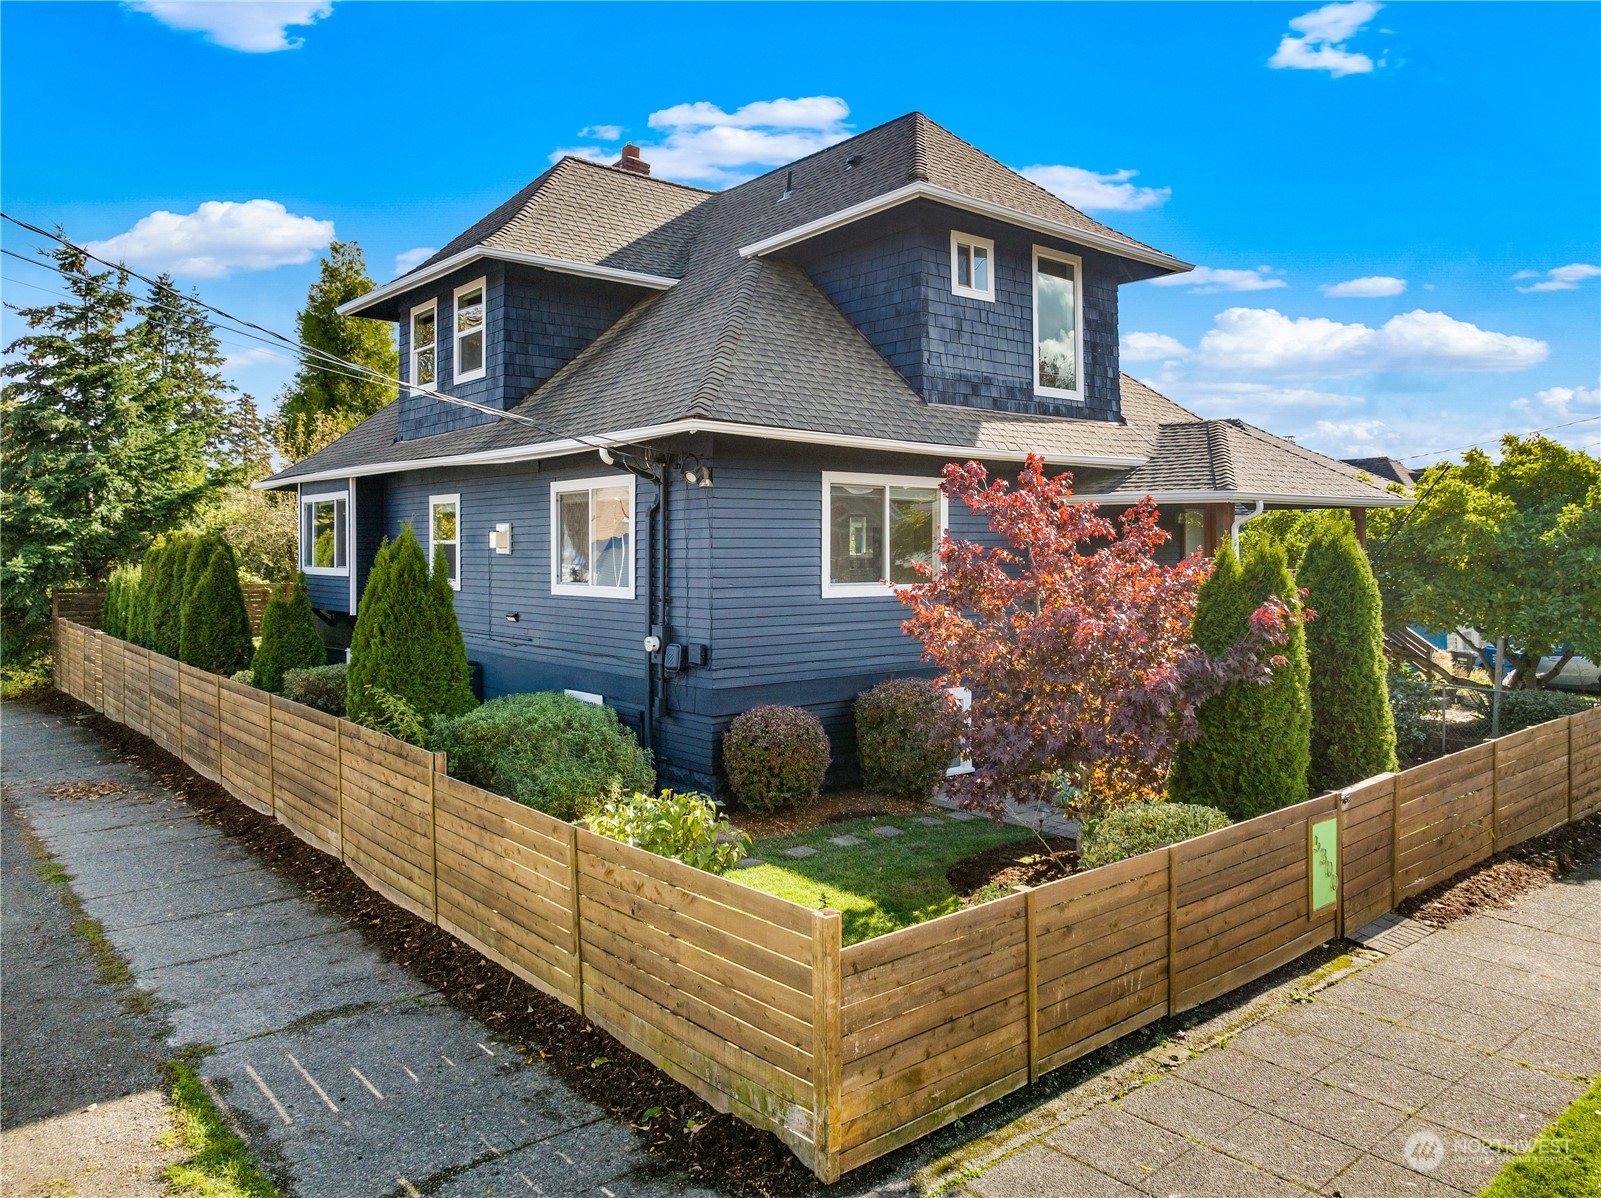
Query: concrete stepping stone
{"type": "Point", "coordinates": [887, 832]}
{"type": "Point", "coordinates": [963, 816]}
{"type": "Point", "coordinates": [928, 821]}
{"type": "Point", "coordinates": [748, 863]}
{"type": "Point", "coordinates": [801, 850]}
{"type": "Point", "coordinates": [845, 842]}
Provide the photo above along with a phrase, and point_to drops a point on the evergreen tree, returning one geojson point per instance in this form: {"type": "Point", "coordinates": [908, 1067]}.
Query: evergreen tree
{"type": "Point", "coordinates": [122, 600]}
{"type": "Point", "coordinates": [289, 639]}
{"type": "Point", "coordinates": [94, 453]}
{"type": "Point", "coordinates": [1353, 732]}
{"type": "Point", "coordinates": [1252, 754]}
{"type": "Point", "coordinates": [165, 631]}
{"type": "Point", "coordinates": [406, 642]}
{"type": "Point", "coordinates": [216, 627]}
{"type": "Point", "coordinates": [319, 396]}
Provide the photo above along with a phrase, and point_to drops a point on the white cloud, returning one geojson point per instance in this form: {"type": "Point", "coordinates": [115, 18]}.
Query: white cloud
{"type": "Point", "coordinates": [1206, 280]}
{"type": "Point", "coordinates": [1265, 339]}
{"type": "Point", "coordinates": [1563, 402]}
{"type": "Point", "coordinates": [407, 259]}
{"type": "Point", "coordinates": [218, 238]}
{"type": "Point", "coordinates": [1249, 399]}
{"type": "Point", "coordinates": [604, 132]}
{"type": "Point", "coordinates": [248, 25]}
{"type": "Point", "coordinates": [702, 143]}
{"type": "Point", "coordinates": [1150, 347]}
{"type": "Point", "coordinates": [1320, 45]}
{"type": "Point", "coordinates": [1369, 287]}
{"type": "Point", "coordinates": [253, 357]}
{"type": "Point", "coordinates": [1091, 192]}
{"type": "Point", "coordinates": [1561, 278]}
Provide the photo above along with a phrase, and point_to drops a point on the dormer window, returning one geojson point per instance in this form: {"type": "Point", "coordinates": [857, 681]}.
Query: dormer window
{"type": "Point", "coordinates": [470, 331]}
{"type": "Point", "coordinates": [1058, 349]}
{"type": "Point", "coordinates": [972, 266]}
{"type": "Point", "coordinates": [424, 345]}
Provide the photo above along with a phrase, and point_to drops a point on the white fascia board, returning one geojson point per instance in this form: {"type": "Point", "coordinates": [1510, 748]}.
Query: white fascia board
{"type": "Point", "coordinates": [477, 253]}
{"type": "Point", "coordinates": [955, 199]}
{"type": "Point", "coordinates": [625, 437]}
{"type": "Point", "coordinates": [1381, 499]}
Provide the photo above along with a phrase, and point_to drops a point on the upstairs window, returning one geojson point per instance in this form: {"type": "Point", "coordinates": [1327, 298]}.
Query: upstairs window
{"type": "Point", "coordinates": [591, 537]}
{"type": "Point", "coordinates": [444, 535]}
{"type": "Point", "coordinates": [322, 533]}
{"type": "Point", "coordinates": [876, 529]}
{"type": "Point", "coordinates": [1058, 349]}
{"type": "Point", "coordinates": [470, 331]}
{"type": "Point", "coordinates": [424, 345]}
{"type": "Point", "coordinates": [972, 266]}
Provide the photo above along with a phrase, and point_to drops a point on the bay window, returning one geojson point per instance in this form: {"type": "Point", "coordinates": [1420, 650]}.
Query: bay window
{"type": "Point", "coordinates": [876, 530]}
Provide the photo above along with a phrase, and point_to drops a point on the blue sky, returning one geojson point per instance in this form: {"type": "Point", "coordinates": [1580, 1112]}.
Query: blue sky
{"type": "Point", "coordinates": [1396, 208]}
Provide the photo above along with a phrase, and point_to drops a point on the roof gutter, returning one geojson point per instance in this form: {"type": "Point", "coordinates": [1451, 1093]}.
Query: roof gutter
{"type": "Point", "coordinates": [1379, 499]}
{"type": "Point", "coordinates": [566, 445]}
{"type": "Point", "coordinates": [955, 199]}
{"type": "Point", "coordinates": [410, 282]}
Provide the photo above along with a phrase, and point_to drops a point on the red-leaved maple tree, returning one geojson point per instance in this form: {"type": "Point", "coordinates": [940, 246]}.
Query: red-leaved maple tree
{"type": "Point", "coordinates": [1075, 643]}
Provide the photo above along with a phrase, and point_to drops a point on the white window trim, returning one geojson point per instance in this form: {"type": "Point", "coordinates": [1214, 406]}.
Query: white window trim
{"type": "Point", "coordinates": [305, 502]}
{"type": "Point", "coordinates": [972, 292]}
{"type": "Point", "coordinates": [439, 501]}
{"type": "Point", "coordinates": [1077, 264]}
{"type": "Point", "coordinates": [411, 345]}
{"type": "Point", "coordinates": [866, 590]}
{"type": "Point", "coordinates": [455, 332]}
{"type": "Point", "coordinates": [567, 486]}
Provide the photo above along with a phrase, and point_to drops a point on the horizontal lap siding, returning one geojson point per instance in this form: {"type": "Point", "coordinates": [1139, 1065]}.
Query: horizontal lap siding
{"type": "Point", "coordinates": [329, 592]}
{"type": "Point", "coordinates": [1367, 862]}
{"type": "Point", "coordinates": [935, 1024]}
{"type": "Point", "coordinates": [1446, 818]}
{"type": "Point", "coordinates": [1531, 782]}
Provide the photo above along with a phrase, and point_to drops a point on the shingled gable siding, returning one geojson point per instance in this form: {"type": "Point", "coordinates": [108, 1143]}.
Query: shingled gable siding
{"type": "Point", "coordinates": [536, 322]}
{"type": "Point", "coordinates": [890, 276]}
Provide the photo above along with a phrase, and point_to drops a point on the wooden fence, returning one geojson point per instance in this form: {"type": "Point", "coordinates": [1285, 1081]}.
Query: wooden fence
{"type": "Point", "coordinates": [749, 1000]}
{"type": "Point", "coordinates": [89, 607]}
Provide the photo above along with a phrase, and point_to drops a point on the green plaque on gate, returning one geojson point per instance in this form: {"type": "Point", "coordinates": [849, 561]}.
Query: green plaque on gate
{"type": "Point", "coordinates": [1323, 862]}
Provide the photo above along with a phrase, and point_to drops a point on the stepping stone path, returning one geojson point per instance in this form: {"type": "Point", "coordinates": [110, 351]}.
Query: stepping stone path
{"type": "Point", "coordinates": [887, 832]}
{"type": "Point", "coordinates": [800, 850]}
{"type": "Point", "coordinates": [845, 842]}
{"type": "Point", "coordinates": [963, 816]}
{"type": "Point", "coordinates": [928, 821]}
{"type": "Point", "coordinates": [748, 863]}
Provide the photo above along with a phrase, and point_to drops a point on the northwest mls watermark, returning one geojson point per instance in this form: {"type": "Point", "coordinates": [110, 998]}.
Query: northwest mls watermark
{"type": "Point", "coordinates": [1426, 1150]}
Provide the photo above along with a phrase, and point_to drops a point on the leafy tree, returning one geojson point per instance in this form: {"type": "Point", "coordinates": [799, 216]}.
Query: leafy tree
{"type": "Point", "coordinates": [1510, 548]}
{"type": "Point", "coordinates": [318, 396]}
{"type": "Point", "coordinates": [97, 453]}
{"type": "Point", "coordinates": [1075, 643]}
{"type": "Point", "coordinates": [289, 639]}
{"type": "Point", "coordinates": [1353, 730]}
{"type": "Point", "coordinates": [1253, 749]}
{"type": "Point", "coordinates": [216, 627]}
{"type": "Point", "coordinates": [406, 641]}
{"type": "Point", "coordinates": [1294, 529]}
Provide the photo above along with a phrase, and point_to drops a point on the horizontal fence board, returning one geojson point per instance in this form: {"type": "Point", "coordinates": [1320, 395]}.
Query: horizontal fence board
{"type": "Point", "coordinates": [1584, 762]}
{"type": "Point", "coordinates": [245, 729]}
{"type": "Point", "coordinates": [201, 736]}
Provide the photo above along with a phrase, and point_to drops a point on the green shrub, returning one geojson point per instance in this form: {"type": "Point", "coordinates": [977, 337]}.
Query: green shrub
{"type": "Point", "coordinates": [289, 638]}
{"type": "Point", "coordinates": [322, 687]}
{"type": "Point", "coordinates": [1252, 754]}
{"type": "Point", "coordinates": [1295, 529]}
{"type": "Point", "coordinates": [122, 602]}
{"type": "Point", "coordinates": [1136, 828]}
{"type": "Point", "coordinates": [393, 716]}
{"type": "Point", "coordinates": [685, 826]}
{"type": "Point", "coordinates": [244, 677]}
{"type": "Point", "coordinates": [407, 641]}
{"type": "Point", "coordinates": [775, 757]}
{"type": "Point", "coordinates": [903, 737]}
{"type": "Point", "coordinates": [1525, 709]}
{"type": "Point", "coordinates": [164, 632]}
{"type": "Point", "coordinates": [548, 751]}
{"type": "Point", "coordinates": [216, 626]}
{"type": "Point", "coordinates": [1411, 703]}
{"type": "Point", "coordinates": [1353, 732]}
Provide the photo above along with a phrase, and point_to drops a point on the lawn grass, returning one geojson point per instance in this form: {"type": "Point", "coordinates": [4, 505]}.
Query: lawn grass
{"type": "Point", "coordinates": [1564, 1162]}
{"type": "Point", "coordinates": [881, 884]}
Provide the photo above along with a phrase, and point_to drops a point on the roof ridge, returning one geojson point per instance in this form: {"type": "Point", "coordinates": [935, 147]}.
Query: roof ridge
{"type": "Point", "coordinates": [905, 116]}
{"type": "Point", "coordinates": [1310, 455]}
{"type": "Point", "coordinates": [728, 335]}
{"type": "Point", "coordinates": [920, 167]}
{"type": "Point", "coordinates": [602, 166]}
{"type": "Point", "coordinates": [1217, 445]}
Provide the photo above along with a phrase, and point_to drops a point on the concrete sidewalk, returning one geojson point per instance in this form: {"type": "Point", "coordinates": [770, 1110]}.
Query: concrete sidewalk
{"type": "Point", "coordinates": [1415, 1076]}
{"type": "Point", "coordinates": [348, 1077]}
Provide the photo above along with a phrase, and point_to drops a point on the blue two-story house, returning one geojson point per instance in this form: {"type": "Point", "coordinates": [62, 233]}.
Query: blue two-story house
{"type": "Point", "coordinates": [673, 442]}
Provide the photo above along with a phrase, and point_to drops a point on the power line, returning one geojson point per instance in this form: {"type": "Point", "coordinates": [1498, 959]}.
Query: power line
{"type": "Point", "coordinates": [1478, 444]}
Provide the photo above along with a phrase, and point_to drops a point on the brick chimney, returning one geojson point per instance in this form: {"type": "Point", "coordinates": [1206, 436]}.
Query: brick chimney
{"type": "Point", "coordinates": [631, 161]}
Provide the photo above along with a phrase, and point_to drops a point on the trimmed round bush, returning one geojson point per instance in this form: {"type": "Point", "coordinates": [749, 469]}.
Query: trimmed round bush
{"type": "Point", "coordinates": [775, 757]}
{"type": "Point", "coordinates": [1136, 828]}
{"type": "Point", "coordinates": [548, 751]}
{"type": "Point", "coordinates": [289, 639]}
{"type": "Point", "coordinates": [244, 677]}
{"type": "Point", "coordinates": [322, 687]}
{"type": "Point", "coordinates": [902, 737]}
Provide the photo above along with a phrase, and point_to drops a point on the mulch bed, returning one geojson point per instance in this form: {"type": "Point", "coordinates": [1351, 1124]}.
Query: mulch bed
{"type": "Point", "coordinates": [684, 1136]}
{"type": "Point", "coordinates": [1024, 863]}
{"type": "Point", "coordinates": [1498, 881]}
{"type": "Point", "coordinates": [833, 808]}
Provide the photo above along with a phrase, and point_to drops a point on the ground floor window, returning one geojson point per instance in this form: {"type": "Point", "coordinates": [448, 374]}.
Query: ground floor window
{"type": "Point", "coordinates": [444, 527]}
{"type": "Point", "coordinates": [323, 533]}
{"type": "Point", "coordinates": [876, 529]}
{"type": "Point", "coordinates": [592, 537]}
{"type": "Point", "coordinates": [1194, 530]}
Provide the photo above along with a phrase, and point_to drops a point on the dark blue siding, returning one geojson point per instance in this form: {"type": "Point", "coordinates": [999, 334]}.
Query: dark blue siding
{"type": "Point", "coordinates": [329, 592]}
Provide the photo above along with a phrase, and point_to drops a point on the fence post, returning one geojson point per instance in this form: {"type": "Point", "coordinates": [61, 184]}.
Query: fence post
{"type": "Point", "coordinates": [1172, 928]}
{"type": "Point", "coordinates": [1030, 934]}
{"type": "Point", "coordinates": [1395, 843]}
{"type": "Point", "coordinates": [1570, 768]}
{"type": "Point", "coordinates": [1495, 796]}
{"type": "Point", "coordinates": [339, 781]}
{"type": "Point", "coordinates": [272, 762]}
{"type": "Point", "coordinates": [827, 1044]}
{"type": "Point", "coordinates": [440, 764]}
{"type": "Point", "coordinates": [578, 939]}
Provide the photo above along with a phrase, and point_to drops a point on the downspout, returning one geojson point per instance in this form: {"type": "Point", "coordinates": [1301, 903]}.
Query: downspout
{"type": "Point", "coordinates": [1241, 521]}
{"type": "Point", "coordinates": [651, 638]}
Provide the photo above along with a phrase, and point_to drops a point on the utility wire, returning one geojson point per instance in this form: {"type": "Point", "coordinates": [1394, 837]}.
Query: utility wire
{"type": "Point", "coordinates": [1429, 453]}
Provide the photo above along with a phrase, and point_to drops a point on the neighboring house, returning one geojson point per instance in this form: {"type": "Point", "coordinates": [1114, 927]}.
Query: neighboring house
{"type": "Point", "coordinates": [704, 427]}
{"type": "Point", "coordinates": [1384, 470]}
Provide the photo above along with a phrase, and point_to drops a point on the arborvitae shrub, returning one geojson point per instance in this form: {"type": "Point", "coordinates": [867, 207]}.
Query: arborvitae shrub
{"type": "Point", "coordinates": [322, 687]}
{"type": "Point", "coordinates": [165, 630]}
{"type": "Point", "coordinates": [775, 757]}
{"type": "Point", "coordinates": [903, 737]}
{"type": "Point", "coordinates": [549, 751]}
{"type": "Point", "coordinates": [216, 626]}
{"type": "Point", "coordinates": [1136, 828]}
{"type": "Point", "coordinates": [1353, 731]}
{"type": "Point", "coordinates": [122, 601]}
{"type": "Point", "coordinates": [289, 639]}
{"type": "Point", "coordinates": [1252, 753]}
{"type": "Point", "coordinates": [407, 641]}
